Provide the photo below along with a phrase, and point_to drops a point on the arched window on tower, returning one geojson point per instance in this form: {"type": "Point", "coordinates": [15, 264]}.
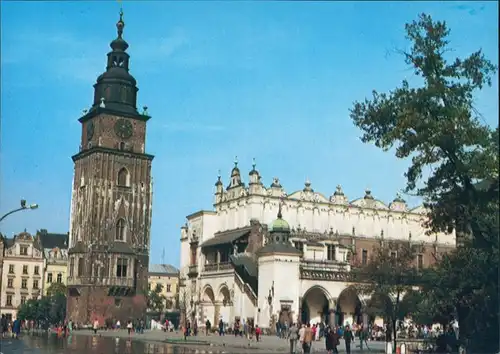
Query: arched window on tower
{"type": "Point", "coordinates": [123, 178]}
{"type": "Point", "coordinates": [120, 230]}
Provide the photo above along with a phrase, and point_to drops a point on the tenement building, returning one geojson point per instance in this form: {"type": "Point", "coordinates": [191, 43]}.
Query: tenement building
{"type": "Point", "coordinates": [265, 255]}
{"type": "Point", "coordinates": [55, 254]}
{"type": "Point", "coordinates": [111, 200]}
{"type": "Point", "coordinates": [165, 276]}
{"type": "Point", "coordinates": [22, 272]}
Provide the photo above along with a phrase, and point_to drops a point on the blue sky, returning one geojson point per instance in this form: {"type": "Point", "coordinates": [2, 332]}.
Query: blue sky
{"type": "Point", "coordinates": [270, 80]}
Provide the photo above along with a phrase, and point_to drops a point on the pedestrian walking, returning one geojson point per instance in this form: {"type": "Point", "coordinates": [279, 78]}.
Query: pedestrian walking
{"type": "Point", "coordinates": [95, 326]}
{"type": "Point", "coordinates": [221, 327]}
{"type": "Point", "coordinates": [308, 338]}
{"type": "Point", "coordinates": [348, 339]}
{"type": "Point", "coordinates": [363, 337]}
{"type": "Point", "coordinates": [4, 325]}
{"type": "Point", "coordinates": [16, 328]}
{"type": "Point", "coordinates": [293, 336]}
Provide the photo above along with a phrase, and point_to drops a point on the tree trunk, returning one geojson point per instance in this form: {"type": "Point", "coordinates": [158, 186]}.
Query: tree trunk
{"type": "Point", "coordinates": [394, 318]}
{"type": "Point", "coordinates": [394, 334]}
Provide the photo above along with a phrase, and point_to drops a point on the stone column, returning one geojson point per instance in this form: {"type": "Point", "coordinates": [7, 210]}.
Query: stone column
{"type": "Point", "coordinates": [365, 318]}
{"type": "Point", "coordinates": [299, 315]}
{"type": "Point", "coordinates": [216, 314]}
{"type": "Point", "coordinates": [332, 308]}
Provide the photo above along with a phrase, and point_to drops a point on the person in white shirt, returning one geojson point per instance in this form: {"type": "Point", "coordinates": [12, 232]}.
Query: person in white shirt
{"type": "Point", "coordinates": [302, 331]}
{"type": "Point", "coordinates": [95, 326]}
{"type": "Point", "coordinates": [129, 327]}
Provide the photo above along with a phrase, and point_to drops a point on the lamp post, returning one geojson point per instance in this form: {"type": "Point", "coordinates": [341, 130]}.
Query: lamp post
{"type": "Point", "coordinates": [24, 206]}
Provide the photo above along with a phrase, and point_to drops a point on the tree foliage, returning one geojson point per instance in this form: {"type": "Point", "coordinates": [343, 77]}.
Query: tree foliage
{"type": "Point", "coordinates": [390, 274]}
{"type": "Point", "coordinates": [184, 304]}
{"type": "Point", "coordinates": [155, 299]}
{"type": "Point", "coordinates": [47, 310]}
{"type": "Point", "coordinates": [57, 288]}
{"type": "Point", "coordinates": [437, 126]}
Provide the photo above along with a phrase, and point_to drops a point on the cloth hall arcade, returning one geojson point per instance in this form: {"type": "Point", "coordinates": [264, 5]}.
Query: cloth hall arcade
{"type": "Point", "coordinates": [264, 255]}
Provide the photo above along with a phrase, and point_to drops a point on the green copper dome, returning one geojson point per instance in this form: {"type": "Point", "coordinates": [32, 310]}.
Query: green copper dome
{"type": "Point", "coordinates": [280, 225]}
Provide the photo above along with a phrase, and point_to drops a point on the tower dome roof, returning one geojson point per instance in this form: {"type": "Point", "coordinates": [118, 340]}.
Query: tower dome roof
{"type": "Point", "coordinates": [116, 86]}
{"type": "Point", "coordinates": [280, 224]}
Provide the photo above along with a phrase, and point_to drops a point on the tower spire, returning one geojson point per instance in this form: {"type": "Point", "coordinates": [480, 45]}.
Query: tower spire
{"type": "Point", "coordinates": [116, 85]}
{"type": "Point", "coordinates": [120, 25]}
{"type": "Point", "coordinates": [280, 216]}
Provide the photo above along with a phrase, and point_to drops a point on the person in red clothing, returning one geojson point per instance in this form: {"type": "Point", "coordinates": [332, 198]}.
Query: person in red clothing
{"type": "Point", "coordinates": [258, 332]}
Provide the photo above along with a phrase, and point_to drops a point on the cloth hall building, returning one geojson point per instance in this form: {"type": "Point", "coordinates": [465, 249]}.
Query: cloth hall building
{"type": "Point", "coordinates": [242, 261]}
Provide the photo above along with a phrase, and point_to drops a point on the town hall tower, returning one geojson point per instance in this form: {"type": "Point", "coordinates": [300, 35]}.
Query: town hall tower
{"type": "Point", "coordinates": [111, 200]}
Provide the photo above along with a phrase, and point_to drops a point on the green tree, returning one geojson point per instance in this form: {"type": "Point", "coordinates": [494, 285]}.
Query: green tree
{"type": "Point", "coordinates": [155, 299]}
{"type": "Point", "coordinates": [437, 126]}
{"type": "Point", "coordinates": [183, 303]}
{"type": "Point", "coordinates": [47, 310]}
{"type": "Point", "coordinates": [57, 313]}
{"type": "Point", "coordinates": [387, 277]}
{"type": "Point", "coordinates": [28, 310]}
{"type": "Point", "coordinates": [56, 288]}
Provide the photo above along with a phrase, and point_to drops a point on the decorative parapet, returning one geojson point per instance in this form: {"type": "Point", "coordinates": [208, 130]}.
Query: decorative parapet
{"type": "Point", "coordinates": [333, 266]}
{"type": "Point", "coordinates": [217, 267]}
{"type": "Point", "coordinates": [357, 275]}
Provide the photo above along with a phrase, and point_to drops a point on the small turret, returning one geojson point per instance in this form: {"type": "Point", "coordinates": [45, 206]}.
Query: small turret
{"type": "Point", "coordinates": [398, 204]}
{"type": "Point", "coordinates": [338, 196]}
{"type": "Point", "coordinates": [368, 194]}
{"type": "Point", "coordinates": [255, 186]}
{"type": "Point", "coordinates": [235, 176]}
{"type": "Point", "coordinates": [254, 174]}
{"type": "Point", "coordinates": [219, 189]}
{"type": "Point", "coordinates": [307, 186]}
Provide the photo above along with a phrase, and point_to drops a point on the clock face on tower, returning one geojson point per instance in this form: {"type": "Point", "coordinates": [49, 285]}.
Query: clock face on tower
{"type": "Point", "coordinates": [123, 128]}
{"type": "Point", "coordinates": [90, 130]}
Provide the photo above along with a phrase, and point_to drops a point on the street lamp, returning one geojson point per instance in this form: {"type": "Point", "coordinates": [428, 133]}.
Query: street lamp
{"type": "Point", "coordinates": [24, 206]}
{"type": "Point", "coordinates": [271, 295]}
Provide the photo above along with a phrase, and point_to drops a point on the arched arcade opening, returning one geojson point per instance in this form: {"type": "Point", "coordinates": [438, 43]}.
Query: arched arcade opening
{"type": "Point", "coordinates": [224, 301]}
{"type": "Point", "coordinates": [379, 309]}
{"type": "Point", "coordinates": [208, 304]}
{"type": "Point", "coordinates": [349, 308]}
{"type": "Point", "coordinates": [315, 306]}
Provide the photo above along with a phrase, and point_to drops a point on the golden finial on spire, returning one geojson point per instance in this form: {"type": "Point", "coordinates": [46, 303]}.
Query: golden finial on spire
{"type": "Point", "coordinates": [120, 24]}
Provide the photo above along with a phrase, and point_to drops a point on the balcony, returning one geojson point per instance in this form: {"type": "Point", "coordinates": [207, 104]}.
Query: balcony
{"type": "Point", "coordinates": [98, 281]}
{"type": "Point", "coordinates": [218, 267]}
{"type": "Point", "coordinates": [193, 271]}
